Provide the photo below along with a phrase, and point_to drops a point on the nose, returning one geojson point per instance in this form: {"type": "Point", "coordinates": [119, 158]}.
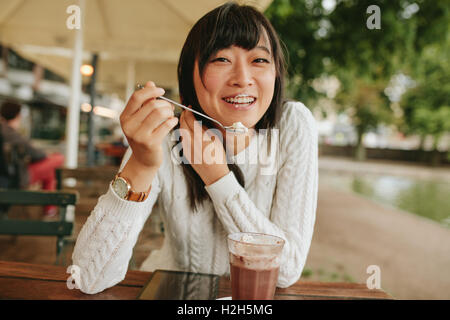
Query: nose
{"type": "Point", "coordinates": [241, 75]}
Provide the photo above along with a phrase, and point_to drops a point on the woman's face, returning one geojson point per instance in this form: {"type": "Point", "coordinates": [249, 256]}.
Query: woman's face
{"type": "Point", "coordinates": [238, 85]}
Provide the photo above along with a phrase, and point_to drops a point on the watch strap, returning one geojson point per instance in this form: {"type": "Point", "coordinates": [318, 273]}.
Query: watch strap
{"type": "Point", "coordinates": [137, 196]}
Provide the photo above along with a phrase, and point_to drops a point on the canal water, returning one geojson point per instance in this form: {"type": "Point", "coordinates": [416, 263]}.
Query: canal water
{"type": "Point", "coordinates": [427, 198]}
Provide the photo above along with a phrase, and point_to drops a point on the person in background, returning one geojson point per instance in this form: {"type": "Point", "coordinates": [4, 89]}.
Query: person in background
{"type": "Point", "coordinates": [38, 166]}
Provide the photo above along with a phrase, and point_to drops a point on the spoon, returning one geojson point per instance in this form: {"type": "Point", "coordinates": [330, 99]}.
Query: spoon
{"type": "Point", "coordinates": [237, 127]}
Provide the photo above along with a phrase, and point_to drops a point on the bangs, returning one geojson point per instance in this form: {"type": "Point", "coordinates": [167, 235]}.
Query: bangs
{"type": "Point", "coordinates": [230, 26]}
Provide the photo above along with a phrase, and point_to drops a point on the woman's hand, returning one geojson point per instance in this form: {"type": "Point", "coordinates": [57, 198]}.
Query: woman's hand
{"type": "Point", "coordinates": [204, 149]}
{"type": "Point", "coordinates": [145, 122]}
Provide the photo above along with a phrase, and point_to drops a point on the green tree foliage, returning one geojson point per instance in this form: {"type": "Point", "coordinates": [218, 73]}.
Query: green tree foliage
{"type": "Point", "coordinates": [367, 106]}
{"type": "Point", "coordinates": [337, 42]}
{"type": "Point", "coordinates": [427, 105]}
{"type": "Point", "coordinates": [297, 22]}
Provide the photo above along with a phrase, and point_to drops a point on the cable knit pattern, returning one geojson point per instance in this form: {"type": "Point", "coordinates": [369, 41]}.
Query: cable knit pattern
{"type": "Point", "coordinates": [282, 203]}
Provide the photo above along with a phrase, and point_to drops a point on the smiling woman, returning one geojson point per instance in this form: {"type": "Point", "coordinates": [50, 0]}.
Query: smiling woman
{"type": "Point", "coordinates": [231, 68]}
{"type": "Point", "coordinates": [238, 76]}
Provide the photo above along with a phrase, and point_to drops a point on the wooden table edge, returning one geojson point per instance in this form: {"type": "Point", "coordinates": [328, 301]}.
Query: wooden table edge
{"type": "Point", "coordinates": [138, 279]}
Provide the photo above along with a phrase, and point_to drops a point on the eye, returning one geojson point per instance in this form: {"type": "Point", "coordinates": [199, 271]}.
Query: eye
{"type": "Point", "coordinates": [220, 59]}
{"type": "Point", "coordinates": [259, 60]}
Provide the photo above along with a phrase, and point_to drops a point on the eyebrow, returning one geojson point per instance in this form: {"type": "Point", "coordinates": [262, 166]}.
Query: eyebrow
{"type": "Point", "coordinates": [264, 49]}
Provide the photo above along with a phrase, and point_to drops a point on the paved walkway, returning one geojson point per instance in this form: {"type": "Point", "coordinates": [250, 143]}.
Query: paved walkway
{"type": "Point", "coordinates": [352, 233]}
{"type": "Point", "coordinates": [408, 169]}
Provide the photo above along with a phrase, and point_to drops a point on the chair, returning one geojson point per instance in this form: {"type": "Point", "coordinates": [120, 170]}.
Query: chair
{"type": "Point", "coordinates": [11, 160]}
{"type": "Point", "coordinates": [60, 228]}
{"type": "Point", "coordinates": [91, 183]}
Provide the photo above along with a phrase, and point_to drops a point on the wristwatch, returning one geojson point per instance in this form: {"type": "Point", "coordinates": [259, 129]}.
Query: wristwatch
{"type": "Point", "coordinates": [122, 188]}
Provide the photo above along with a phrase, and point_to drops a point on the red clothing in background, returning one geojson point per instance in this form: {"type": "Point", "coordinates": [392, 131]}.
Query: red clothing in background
{"type": "Point", "coordinates": [44, 171]}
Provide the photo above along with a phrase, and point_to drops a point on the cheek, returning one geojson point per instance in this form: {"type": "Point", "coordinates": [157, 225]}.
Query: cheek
{"type": "Point", "coordinates": [268, 85]}
{"type": "Point", "coordinates": [213, 81]}
{"type": "Point", "coordinates": [205, 90]}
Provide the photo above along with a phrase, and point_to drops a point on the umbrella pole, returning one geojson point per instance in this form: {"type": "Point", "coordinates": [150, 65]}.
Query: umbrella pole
{"type": "Point", "coordinates": [131, 76]}
{"type": "Point", "coordinates": [73, 114]}
{"type": "Point", "coordinates": [90, 150]}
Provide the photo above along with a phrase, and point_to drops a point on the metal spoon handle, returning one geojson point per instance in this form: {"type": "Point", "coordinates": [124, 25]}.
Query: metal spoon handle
{"type": "Point", "coordinates": [187, 108]}
{"type": "Point", "coordinates": [228, 128]}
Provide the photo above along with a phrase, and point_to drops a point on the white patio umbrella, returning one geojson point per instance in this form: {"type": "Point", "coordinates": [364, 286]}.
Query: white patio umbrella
{"type": "Point", "coordinates": [133, 30]}
{"type": "Point", "coordinates": [114, 74]}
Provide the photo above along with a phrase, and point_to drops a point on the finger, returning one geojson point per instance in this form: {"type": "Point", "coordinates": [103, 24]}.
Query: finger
{"type": "Point", "coordinates": [148, 107]}
{"type": "Point", "coordinates": [190, 120]}
{"type": "Point", "coordinates": [186, 147]}
{"type": "Point", "coordinates": [193, 144]}
{"type": "Point", "coordinates": [185, 133]}
{"type": "Point", "coordinates": [154, 119]}
{"type": "Point", "coordinates": [181, 116]}
{"type": "Point", "coordinates": [197, 124]}
{"type": "Point", "coordinates": [186, 138]}
{"type": "Point", "coordinates": [194, 128]}
{"type": "Point", "coordinates": [132, 123]}
{"type": "Point", "coordinates": [147, 84]}
{"type": "Point", "coordinates": [197, 127]}
{"type": "Point", "coordinates": [183, 124]}
{"type": "Point", "coordinates": [139, 97]}
{"type": "Point", "coordinates": [163, 130]}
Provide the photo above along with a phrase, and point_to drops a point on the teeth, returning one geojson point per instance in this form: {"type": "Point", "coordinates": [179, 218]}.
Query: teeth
{"type": "Point", "coordinates": [240, 100]}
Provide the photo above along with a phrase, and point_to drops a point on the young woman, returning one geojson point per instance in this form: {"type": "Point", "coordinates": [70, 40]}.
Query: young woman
{"type": "Point", "coordinates": [231, 68]}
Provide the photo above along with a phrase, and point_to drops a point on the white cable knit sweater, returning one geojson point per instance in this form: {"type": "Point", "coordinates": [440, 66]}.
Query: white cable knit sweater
{"type": "Point", "coordinates": [282, 203]}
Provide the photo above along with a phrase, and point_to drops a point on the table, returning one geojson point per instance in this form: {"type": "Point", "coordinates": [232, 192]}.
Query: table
{"type": "Point", "coordinates": [41, 282]}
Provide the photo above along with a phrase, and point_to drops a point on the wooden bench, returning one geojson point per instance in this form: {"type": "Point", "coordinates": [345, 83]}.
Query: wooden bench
{"type": "Point", "coordinates": [61, 228]}
{"type": "Point", "coordinates": [89, 182]}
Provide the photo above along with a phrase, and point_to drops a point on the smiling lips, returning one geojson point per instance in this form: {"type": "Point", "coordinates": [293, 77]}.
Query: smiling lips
{"type": "Point", "coordinates": [241, 100]}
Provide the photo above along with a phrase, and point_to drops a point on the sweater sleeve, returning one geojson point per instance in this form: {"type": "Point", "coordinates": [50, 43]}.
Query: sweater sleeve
{"type": "Point", "coordinates": [293, 211]}
{"type": "Point", "coordinates": [105, 243]}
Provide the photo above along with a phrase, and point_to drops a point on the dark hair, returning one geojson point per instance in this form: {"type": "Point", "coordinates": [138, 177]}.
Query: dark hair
{"type": "Point", "coordinates": [10, 109]}
{"type": "Point", "coordinates": [227, 25]}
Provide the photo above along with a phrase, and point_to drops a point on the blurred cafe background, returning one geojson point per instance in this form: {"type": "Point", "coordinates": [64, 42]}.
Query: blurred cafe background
{"type": "Point", "coordinates": [377, 81]}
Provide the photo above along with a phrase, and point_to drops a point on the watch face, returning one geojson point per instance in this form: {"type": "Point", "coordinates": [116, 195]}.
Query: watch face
{"type": "Point", "coordinates": [120, 186]}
